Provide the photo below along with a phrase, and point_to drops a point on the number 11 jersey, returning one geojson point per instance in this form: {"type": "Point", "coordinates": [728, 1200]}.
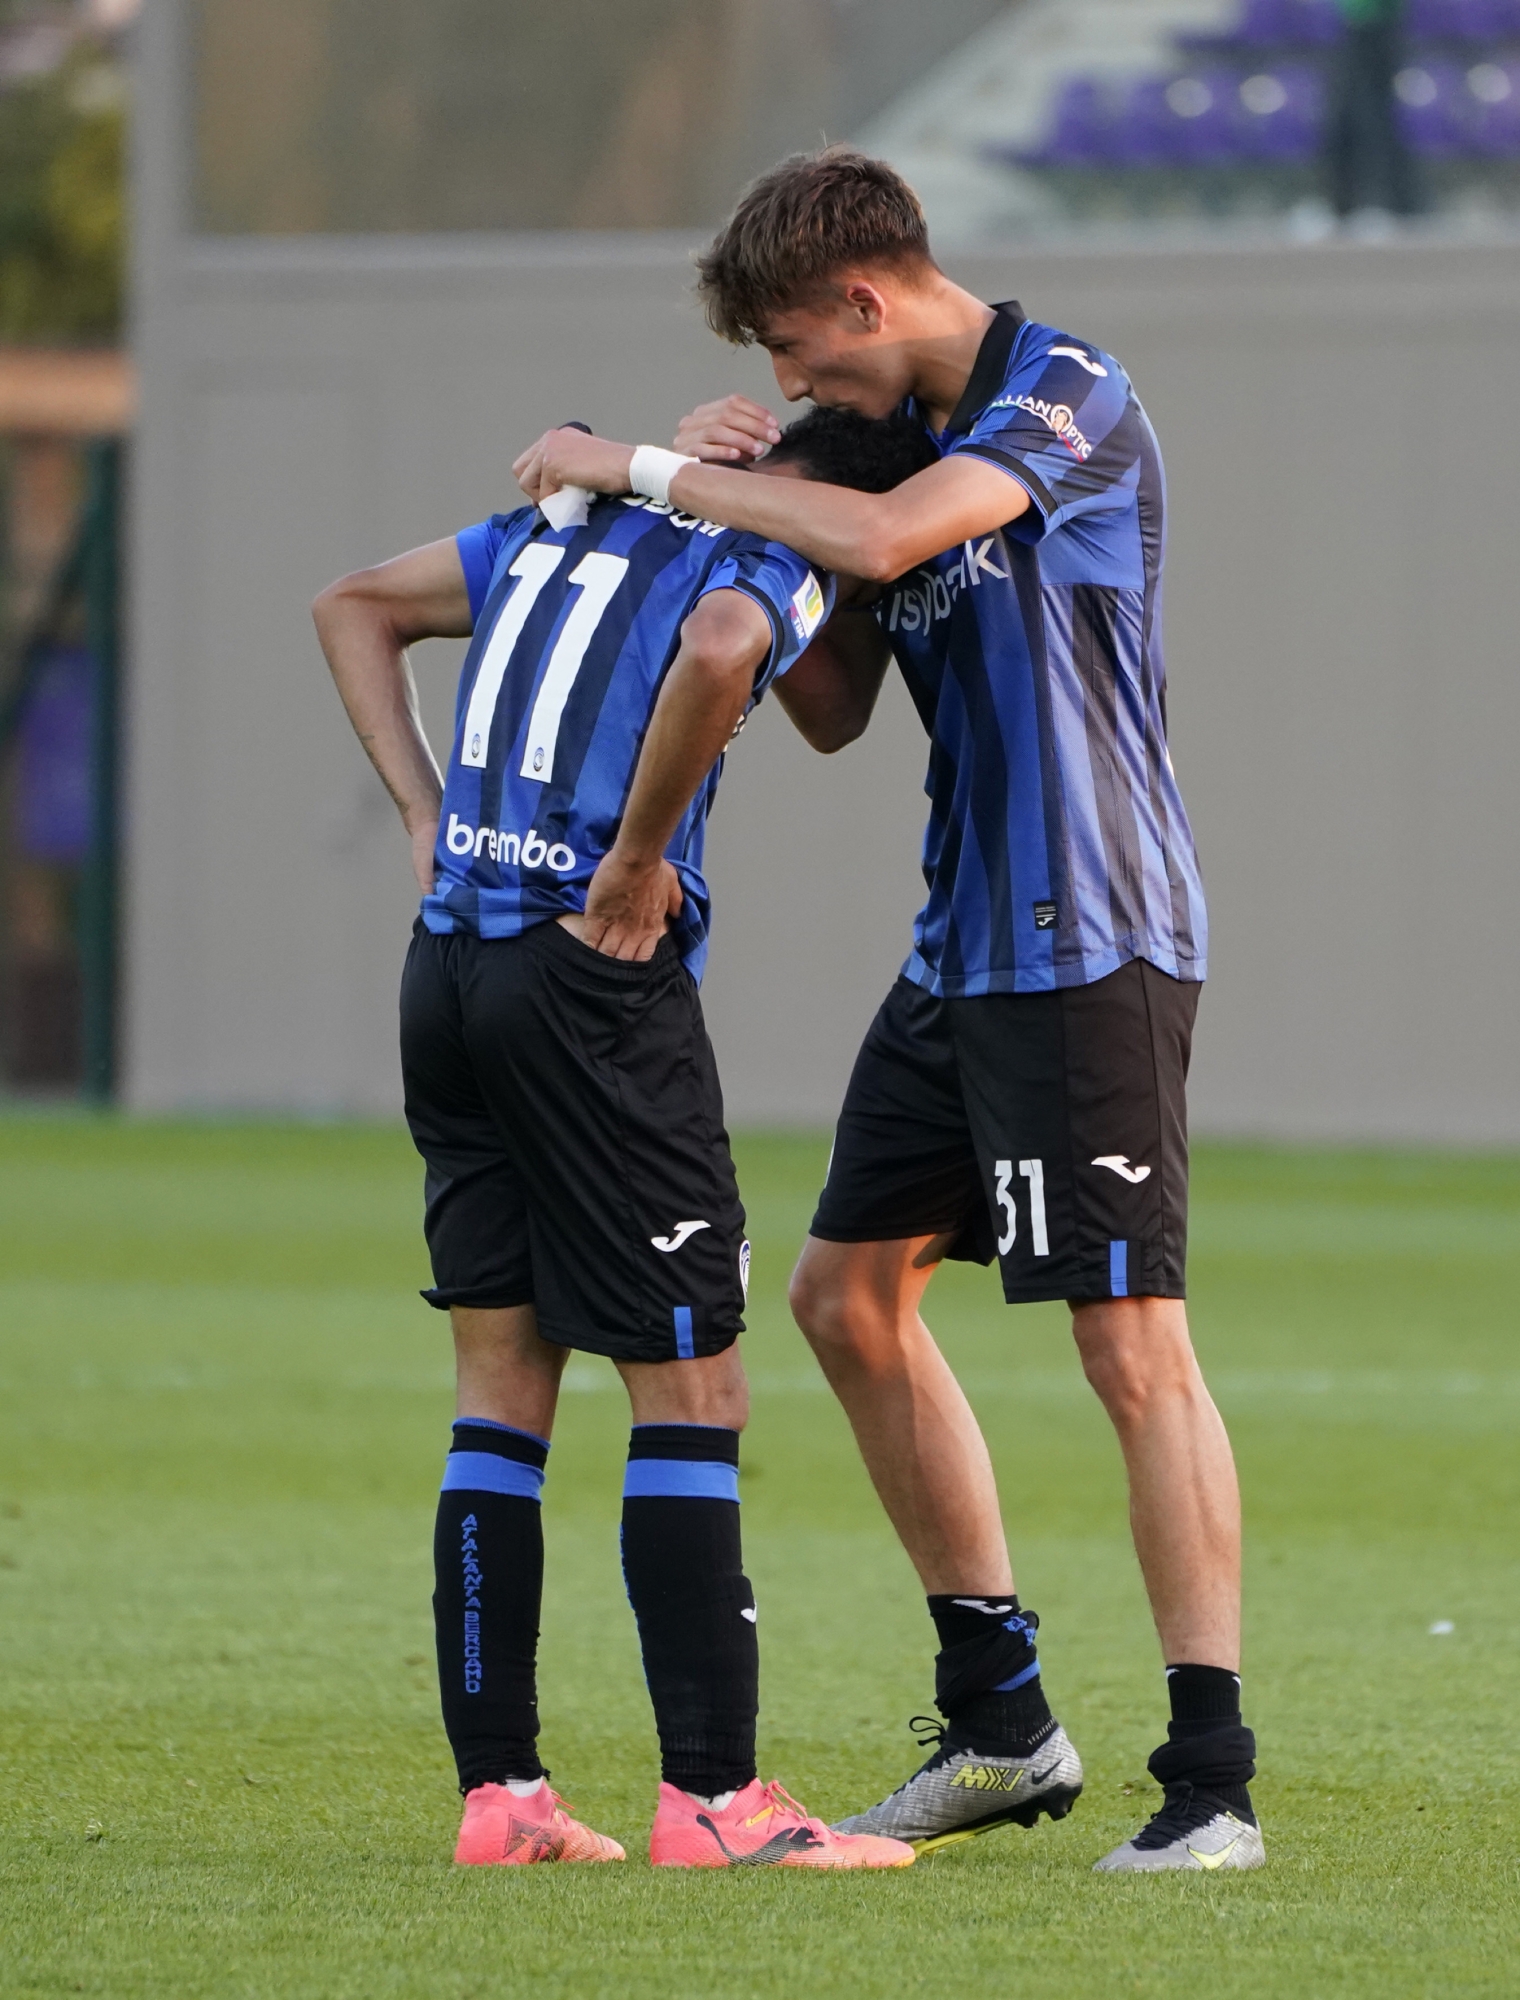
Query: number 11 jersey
{"type": "Point", "coordinates": [575, 629]}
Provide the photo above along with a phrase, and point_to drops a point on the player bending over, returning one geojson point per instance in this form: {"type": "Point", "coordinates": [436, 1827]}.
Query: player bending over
{"type": "Point", "coordinates": [1021, 1092]}
{"type": "Point", "coordinates": [561, 1088]}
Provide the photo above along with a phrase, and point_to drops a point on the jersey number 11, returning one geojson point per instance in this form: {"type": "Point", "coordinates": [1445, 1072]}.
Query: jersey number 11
{"type": "Point", "coordinates": [597, 577]}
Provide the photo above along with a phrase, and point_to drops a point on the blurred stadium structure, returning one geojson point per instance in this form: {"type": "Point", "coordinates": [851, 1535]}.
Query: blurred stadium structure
{"type": "Point", "coordinates": [336, 115]}
{"type": "Point", "coordinates": [1068, 111]}
{"type": "Point", "coordinates": [63, 412]}
{"type": "Point", "coordinates": [61, 417]}
{"type": "Point", "coordinates": [377, 248]}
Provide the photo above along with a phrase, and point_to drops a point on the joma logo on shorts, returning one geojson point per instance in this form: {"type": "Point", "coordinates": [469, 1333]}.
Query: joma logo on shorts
{"type": "Point", "coordinates": [512, 850]}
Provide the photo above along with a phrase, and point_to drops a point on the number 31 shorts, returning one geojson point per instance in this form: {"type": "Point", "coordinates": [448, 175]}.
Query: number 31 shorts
{"type": "Point", "coordinates": [1048, 1130]}
{"type": "Point", "coordinates": [568, 1109]}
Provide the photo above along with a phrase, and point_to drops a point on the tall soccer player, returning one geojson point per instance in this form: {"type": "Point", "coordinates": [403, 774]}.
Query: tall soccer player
{"type": "Point", "coordinates": [561, 1089]}
{"type": "Point", "coordinates": [1021, 1092]}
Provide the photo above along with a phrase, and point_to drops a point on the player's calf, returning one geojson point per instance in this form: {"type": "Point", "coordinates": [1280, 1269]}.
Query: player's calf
{"type": "Point", "coordinates": [488, 1571]}
{"type": "Point", "coordinates": [683, 1565]}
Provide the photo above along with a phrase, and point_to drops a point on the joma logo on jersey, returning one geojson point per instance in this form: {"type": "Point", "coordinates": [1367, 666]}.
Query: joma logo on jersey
{"type": "Point", "coordinates": [1056, 416]}
{"type": "Point", "coordinates": [986, 1778]}
{"type": "Point", "coordinates": [511, 850]}
{"type": "Point", "coordinates": [931, 593]}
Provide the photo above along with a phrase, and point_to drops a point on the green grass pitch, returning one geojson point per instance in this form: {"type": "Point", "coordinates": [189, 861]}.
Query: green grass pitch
{"type": "Point", "coordinates": [221, 1771]}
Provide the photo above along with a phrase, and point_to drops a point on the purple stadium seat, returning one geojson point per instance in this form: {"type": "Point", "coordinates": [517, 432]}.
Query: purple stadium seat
{"type": "Point", "coordinates": [1493, 91]}
{"type": "Point", "coordinates": [1486, 20]}
{"type": "Point", "coordinates": [1432, 20]}
{"type": "Point", "coordinates": [1462, 20]}
{"type": "Point", "coordinates": [1279, 113]}
{"type": "Point", "coordinates": [1435, 109]}
{"type": "Point", "coordinates": [1288, 23]}
{"type": "Point", "coordinates": [1180, 121]}
{"type": "Point", "coordinates": [1081, 133]}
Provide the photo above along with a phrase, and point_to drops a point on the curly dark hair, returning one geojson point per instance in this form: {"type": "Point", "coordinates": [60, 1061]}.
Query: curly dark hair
{"type": "Point", "coordinates": [843, 448]}
{"type": "Point", "coordinates": [797, 226]}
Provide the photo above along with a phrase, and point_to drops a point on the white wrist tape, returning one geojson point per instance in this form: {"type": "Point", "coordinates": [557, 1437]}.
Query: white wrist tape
{"type": "Point", "coordinates": [653, 469]}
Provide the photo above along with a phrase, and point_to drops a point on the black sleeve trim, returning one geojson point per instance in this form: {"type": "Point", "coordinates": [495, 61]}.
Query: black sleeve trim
{"type": "Point", "coordinates": [778, 630]}
{"type": "Point", "coordinates": [1007, 461]}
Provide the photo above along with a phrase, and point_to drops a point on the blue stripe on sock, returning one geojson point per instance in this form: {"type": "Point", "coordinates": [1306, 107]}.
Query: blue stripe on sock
{"type": "Point", "coordinates": [486, 1424]}
{"type": "Point", "coordinates": [484, 1472]}
{"type": "Point", "coordinates": [1118, 1270]}
{"type": "Point", "coordinates": [685, 1347]}
{"type": "Point", "coordinates": [1007, 1687]}
{"type": "Point", "coordinates": [679, 1479]}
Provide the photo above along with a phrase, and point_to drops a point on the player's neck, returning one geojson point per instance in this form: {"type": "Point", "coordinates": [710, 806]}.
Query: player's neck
{"type": "Point", "coordinates": [944, 331]}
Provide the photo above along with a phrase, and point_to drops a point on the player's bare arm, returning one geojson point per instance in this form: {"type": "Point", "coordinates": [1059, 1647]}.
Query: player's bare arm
{"type": "Point", "coordinates": [366, 621]}
{"type": "Point", "coordinates": [830, 694]}
{"type": "Point", "coordinates": [635, 890]}
{"type": "Point", "coordinates": [872, 535]}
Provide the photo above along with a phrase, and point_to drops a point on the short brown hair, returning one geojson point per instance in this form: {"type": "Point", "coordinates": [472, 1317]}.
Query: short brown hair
{"type": "Point", "coordinates": [798, 225]}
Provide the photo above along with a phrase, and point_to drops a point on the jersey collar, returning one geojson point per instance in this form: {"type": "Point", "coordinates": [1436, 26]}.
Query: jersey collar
{"type": "Point", "coordinates": [990, 366]}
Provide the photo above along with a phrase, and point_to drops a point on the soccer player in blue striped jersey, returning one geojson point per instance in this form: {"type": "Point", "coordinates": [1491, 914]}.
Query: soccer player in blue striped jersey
{"type": "Point", "coordinates": [1021, 1092]}
{"type": "Point", "coordinates": [561, 1089]}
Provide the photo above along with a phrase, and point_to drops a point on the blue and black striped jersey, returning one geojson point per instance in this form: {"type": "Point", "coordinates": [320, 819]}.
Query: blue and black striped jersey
{"type": "Point", "coordinates": [1058, 848]}
{"type": "Point", "coordinates": [574, 630]}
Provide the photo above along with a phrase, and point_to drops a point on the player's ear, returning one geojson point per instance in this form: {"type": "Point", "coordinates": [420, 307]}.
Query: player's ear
{"type": "Point", "coordinates": [865, 305]}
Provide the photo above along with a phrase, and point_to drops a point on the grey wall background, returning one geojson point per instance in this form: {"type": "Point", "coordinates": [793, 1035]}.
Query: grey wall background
{"type": "Point", "coordinates": [1343, 605]}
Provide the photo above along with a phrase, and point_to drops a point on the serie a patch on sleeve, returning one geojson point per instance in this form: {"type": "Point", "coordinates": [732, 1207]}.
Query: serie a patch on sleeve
{"type": "Point", "coordinates": [807, 608]}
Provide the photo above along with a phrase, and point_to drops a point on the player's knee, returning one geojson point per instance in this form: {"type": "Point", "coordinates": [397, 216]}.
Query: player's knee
{"type": "Point", "coordinates": [1134, 1366]}
{"type": "Point", "coordinates": [729, 1405]}
{"type": "Point", "coordinates": [818, 1306]}
{"type": "Point", "coordinates": [710, 1391]}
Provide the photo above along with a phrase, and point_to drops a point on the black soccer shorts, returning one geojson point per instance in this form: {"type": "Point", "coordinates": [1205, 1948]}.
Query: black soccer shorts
{"type": "Point", "coordinates": [568, 1108]}
{"type": "Point", "coordinates": [1046, 1129]}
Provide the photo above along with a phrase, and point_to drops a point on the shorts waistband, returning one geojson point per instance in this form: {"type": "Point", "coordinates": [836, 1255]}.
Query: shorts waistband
{"type": "Point", "coordinates": [552, 936]}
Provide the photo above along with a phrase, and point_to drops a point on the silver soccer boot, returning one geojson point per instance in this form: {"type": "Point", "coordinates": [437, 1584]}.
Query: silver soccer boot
{"type": "Point", "coordinates": [1193, 1830]}
{"type": "Point", "coordinates": [961, 1792]}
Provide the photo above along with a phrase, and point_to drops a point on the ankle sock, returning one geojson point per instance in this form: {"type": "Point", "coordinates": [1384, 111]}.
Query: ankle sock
{"type": "Point", "coordinates": [987, 1673]}
{"type": "Point", "coordinates": [1207, 1744]}
{"type": "Point", "coordinates": [684, 1570]}
{"type": "Point", "coordinates": [488, 1568]}
{"type": "Point", "coordinates": [1203, 1697]}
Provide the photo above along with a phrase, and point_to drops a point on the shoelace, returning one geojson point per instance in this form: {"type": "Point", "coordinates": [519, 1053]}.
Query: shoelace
{"type": "Point", "coordinates": [779, 1799]}
{"type": "Point", "coordinates": [933, 1732]}
{"type": "Point", "coordinates": [1181, 1814]}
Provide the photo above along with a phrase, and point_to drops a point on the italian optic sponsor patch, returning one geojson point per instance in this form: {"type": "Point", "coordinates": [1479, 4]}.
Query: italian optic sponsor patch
{"type": "Point", "coordinates": [807, 608]}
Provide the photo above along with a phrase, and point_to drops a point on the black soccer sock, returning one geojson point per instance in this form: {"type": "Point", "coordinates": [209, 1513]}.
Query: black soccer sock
{"type": "Point", "coordinates": [987, 1673]}
{"type": "Point", "coordinates": [694, 1606]}
{"type": "Point", "coordinates": [1207, 1744]}
{"type": "Point", "coordinates": [1203, 1697]}
{"type": "Point", "coordinates": [488, 1566]}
